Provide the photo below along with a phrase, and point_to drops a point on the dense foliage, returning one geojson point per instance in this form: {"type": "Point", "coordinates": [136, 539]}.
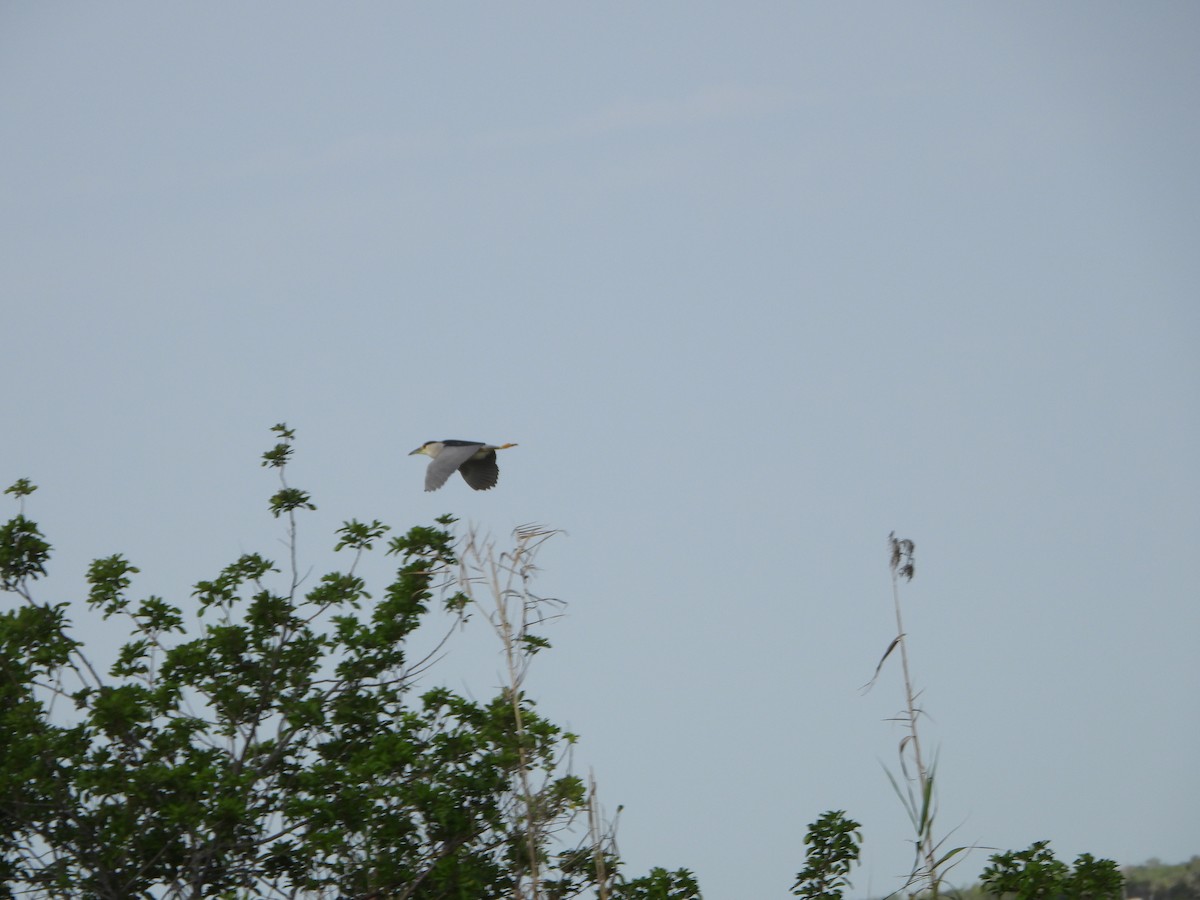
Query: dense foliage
{"type": "Point", "coordinates": [274, 744]}
{"type": "Point", "coordinates": [1036, 874]}
{"type": "Point", "coordinates": [833, 845]}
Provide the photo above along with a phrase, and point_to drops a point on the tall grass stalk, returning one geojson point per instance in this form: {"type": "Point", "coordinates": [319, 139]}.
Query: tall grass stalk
{"type": "Point", "coordinates": [915, 786]}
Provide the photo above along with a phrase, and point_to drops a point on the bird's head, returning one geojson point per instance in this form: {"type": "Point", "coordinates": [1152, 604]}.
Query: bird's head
{"type": "Point", "coordinates": [429, 448]}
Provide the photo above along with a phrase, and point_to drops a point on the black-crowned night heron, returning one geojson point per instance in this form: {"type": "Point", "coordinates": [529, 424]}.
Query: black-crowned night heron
{"type": "Point", "coordinates": [476, 461]}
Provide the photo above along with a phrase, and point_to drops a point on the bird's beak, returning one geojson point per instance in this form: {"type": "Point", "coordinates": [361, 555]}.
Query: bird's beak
{"type": "Point", "coordinates": [415, 452]}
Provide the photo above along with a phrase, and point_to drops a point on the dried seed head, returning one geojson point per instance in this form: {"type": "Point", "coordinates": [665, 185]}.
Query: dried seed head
{"type": "Point", "coordinates": [902, 562]}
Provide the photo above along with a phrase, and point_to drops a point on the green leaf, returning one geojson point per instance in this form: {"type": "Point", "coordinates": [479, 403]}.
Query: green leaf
{"type": "Point", "coordinates": [22, 487]}
{"type": "Point", "coordinates": [23, 552]}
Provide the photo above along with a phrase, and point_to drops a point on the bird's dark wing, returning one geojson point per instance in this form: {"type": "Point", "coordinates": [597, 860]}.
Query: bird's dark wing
{"type": "Point", "coordinates": [481, 474]}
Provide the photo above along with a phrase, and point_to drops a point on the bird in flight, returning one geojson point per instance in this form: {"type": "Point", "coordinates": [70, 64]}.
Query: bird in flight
{"type": "Point", "coordinates": [474, 459]}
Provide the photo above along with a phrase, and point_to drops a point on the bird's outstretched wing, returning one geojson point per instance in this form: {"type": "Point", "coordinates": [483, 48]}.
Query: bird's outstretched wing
{"type": "Point", "coordinates": [447, 462]}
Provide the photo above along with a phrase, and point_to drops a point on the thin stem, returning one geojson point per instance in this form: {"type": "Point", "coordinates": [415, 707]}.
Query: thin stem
{"type": "Point", "coordinates": [516, 676]}
{"type": "Point", "coordinates": [922, 806]}
{"type": "Point", "coordinates": [597, 840]}
{"type": "Point", "coordinates": [909, 694]}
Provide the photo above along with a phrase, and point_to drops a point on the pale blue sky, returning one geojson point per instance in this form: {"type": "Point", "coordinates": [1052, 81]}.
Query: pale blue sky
{"type": "Point", "coordinates": [751, 285]}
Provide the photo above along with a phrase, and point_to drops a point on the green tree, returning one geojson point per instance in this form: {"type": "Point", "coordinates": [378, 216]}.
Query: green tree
{"type": "Point", "coordinates": [277, 746]}
{"type": "Point", "coordinates": [1035, 874]}
{"type": "Point", "coordinates": [660, 885]}
{"type": "Point", "coordinates": [833, 847]}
